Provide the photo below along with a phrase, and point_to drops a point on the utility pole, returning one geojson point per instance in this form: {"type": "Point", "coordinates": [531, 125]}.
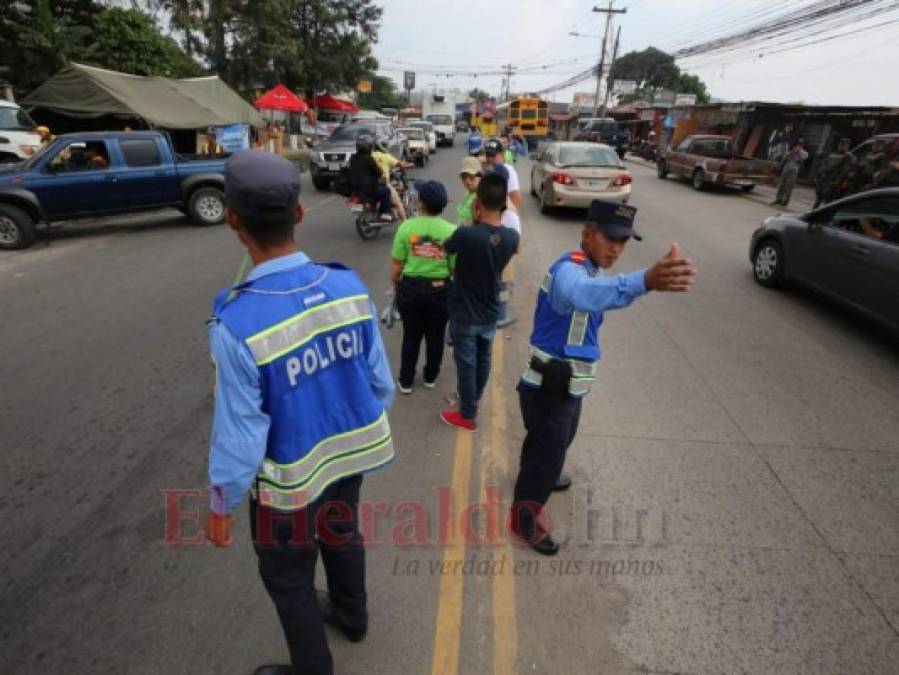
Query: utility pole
{"type": "Point", "coordinates": [605, 101]}
{"type": "Point", "coordinates": [602, 57]}
{"type": "Point", "coordinates": [505, 90]}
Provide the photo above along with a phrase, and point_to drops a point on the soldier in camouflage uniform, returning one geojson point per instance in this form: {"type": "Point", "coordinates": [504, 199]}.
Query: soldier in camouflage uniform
{"type": "Point", "coordinates": [875, 162]}
{"type": "Point", "coordinates": [832, 179]}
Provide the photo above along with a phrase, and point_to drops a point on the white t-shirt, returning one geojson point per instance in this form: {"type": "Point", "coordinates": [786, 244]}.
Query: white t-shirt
{"type": "Point", "coordinates": [513, 178]}
{"type": "Point", "coordinates": [511, 220]}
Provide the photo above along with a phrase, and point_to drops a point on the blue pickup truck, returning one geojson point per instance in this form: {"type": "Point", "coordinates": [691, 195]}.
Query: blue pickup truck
{"type": "Point", "coordinates": [86, 175]}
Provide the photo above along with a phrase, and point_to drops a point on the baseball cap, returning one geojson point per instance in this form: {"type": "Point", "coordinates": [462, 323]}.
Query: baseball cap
{"type": "Point", "coordinates": [493, 147]}
{"type": "Point", "coordinates": [613, 219]}
{"type": "Point", "coordinates": [262, 186]}
{"type": "Point", "coordinates": [471, 165]}
{"type": "Point", "coordinates": [432, 193]}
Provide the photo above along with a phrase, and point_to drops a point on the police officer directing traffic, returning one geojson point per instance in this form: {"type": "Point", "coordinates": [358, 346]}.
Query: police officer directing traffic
{"type": "Point", "coordinates": [564, 350]}
{"type": "Point", "coordinates": [302, 389]}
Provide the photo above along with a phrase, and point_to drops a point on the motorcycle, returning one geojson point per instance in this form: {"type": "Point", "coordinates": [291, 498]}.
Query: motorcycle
{"type": "Point", "coordinates": [368, 220]}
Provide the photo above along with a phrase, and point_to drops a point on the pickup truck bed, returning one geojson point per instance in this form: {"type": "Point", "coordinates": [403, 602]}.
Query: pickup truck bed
{"type": "Point", "coordinates": [96, 174]}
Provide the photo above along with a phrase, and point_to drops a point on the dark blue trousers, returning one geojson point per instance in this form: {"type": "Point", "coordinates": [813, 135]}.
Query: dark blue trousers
{"type": "Point", "coordinates": [287, 545]}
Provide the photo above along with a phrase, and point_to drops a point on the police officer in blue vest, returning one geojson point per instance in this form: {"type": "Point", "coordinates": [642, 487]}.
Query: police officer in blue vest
{"type": "Point", "coordinates": [565, 349]}
{"type": "Point", "coordinates": [302, 389]}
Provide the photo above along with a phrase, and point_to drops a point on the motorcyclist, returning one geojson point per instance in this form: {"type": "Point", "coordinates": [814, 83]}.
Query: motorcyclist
{"type": "Point", "coordinates": [364, 177]}
{"type": "Point", "coordinates": [388, 163]}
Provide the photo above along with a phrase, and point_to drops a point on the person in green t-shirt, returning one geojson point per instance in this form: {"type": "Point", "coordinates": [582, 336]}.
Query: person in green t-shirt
{"type": "Point", "coordinates": [420, 275]}
{"type": "Point", "coordinates": [471, 175]}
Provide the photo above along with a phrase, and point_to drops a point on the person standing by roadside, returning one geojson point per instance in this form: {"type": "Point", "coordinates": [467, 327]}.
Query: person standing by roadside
{"type": "Point", "coordinates": [789, 170]}
{"type": "Point", "coordinates": [495, 156]}
{"type": "Point", "coordinates": [420, 273]}
{"type": "Point", "coordinates": [832, 179]}
{"type": "Point", "coordinates": [470, 175]}
{"type": "Point", "coordinates": [301, 394]}
{"type": "Point", "coordinates": [875, 162]}
{"type": "Point", "coordinates": [482, 253]}
{"type": "Point", "coordinates": [565, 350]}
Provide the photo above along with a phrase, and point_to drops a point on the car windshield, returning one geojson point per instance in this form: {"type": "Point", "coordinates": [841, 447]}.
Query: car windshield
{"type": "Point", "coordinates": [587, 155]}
{"type": "Point", "coordinates": [15, 119]}
{"type": "Point", "coordinates": [351, 133]}
{"type": "Point", "coordinates": [440, 119]}
{"type": "Point", "coordinates": [413, 134]}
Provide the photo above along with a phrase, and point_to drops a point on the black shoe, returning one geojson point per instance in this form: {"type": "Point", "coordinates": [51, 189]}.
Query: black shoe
{"type": "Point", "coordinates": [273, 670]}
{"type": "Point", "coordinates": [546, 545]}
{"type": "Point", "coordinates": [330, 615]}
{"type": "Point", "coordinates": [562, 484]}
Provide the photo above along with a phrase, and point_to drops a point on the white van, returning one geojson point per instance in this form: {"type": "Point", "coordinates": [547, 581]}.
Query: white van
{"type": "Point", "coordinates": [18, 139]}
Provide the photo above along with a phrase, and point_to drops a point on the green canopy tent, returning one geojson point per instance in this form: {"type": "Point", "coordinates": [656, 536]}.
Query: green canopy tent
{"type": "Point", "coordinates": [80, 97]}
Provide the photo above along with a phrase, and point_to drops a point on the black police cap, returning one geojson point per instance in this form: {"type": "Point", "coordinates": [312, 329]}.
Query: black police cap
{"type": "Point", "coordinates": [613, 219]}
{"type": "Point", "coordinates": [262, 186]}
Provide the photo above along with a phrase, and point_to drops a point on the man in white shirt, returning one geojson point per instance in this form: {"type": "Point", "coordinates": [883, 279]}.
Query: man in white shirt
{"type": "Point", "coordinates": [494, 152]}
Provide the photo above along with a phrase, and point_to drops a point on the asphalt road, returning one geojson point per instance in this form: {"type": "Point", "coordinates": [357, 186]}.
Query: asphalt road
{"type": "Point", "coordinates": [736, 500]}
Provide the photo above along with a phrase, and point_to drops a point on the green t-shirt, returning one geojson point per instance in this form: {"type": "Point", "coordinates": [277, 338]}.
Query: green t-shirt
{"type": "Point", "coordinates": [464, 214]}
{"type": "Point", "coordinates": [419, 244]}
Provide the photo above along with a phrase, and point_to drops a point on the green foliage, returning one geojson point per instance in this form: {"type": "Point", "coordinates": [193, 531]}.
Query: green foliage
{"type": "Point", "coordinates": [383, 95]}
{"type": "Point", "coordinates": [128, 40]}
{"type": "Point", "coordinates": [478, 95]}
{"type": "Point", "coordinates": [652, 69]}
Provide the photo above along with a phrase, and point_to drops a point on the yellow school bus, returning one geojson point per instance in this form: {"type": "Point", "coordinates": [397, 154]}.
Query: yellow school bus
{"type": "Point", "coordinates": [526, 116]}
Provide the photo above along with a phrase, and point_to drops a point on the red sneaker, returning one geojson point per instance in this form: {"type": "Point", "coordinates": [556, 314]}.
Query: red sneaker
{"type": "Point", "coordinates": [454, 419]}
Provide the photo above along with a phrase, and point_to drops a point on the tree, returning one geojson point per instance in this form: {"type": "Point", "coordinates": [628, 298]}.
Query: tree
{"type": "Point", "coordinates": [128, 40]}
{"type": "Point", "coordinates": [478, 95]}
{"type": "Point", "coordinates": [187, 17]}
{"type": "Point", "coordinates": [691, 84]}
{"type": "Point", "coordinates": [653, 69]}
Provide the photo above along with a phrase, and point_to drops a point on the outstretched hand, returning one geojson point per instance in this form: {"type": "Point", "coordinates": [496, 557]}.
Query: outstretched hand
{"type": "Point", "coordinates": [672, 273]}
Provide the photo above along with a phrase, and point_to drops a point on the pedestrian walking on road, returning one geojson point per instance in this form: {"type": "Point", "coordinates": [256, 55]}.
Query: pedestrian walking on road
{"type": "Point", "coordinates": [482, 253]}
{"type": "Point", "coordinates": [789, 170]}
{"type": "Point", "coordinates": [565, 349]}
{"type": "Point", "coordinates": [302, 389]}
{"type": "Point", "coordinates": [420, 273]}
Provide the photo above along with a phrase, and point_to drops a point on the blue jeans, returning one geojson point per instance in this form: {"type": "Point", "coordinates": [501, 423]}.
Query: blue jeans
{"type": "Point", "coordinates": [471, 351]}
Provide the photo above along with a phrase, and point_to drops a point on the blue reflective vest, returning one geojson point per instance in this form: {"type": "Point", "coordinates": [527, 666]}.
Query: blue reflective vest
{"type": "Point", "coordinates": [310, 330]}
{"type": "Point", "coordinates": [572, 337]}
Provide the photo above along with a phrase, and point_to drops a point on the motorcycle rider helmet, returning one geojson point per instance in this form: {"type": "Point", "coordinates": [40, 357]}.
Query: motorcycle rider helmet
{"type": "Point", "coordinates": [364, 144]}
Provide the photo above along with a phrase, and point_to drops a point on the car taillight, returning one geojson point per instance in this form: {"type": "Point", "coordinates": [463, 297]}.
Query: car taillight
{"type": "Point", "coordinates": [624, 179]}
{"type": "Point", "coordinates": [562, 178]}
{"type": "Point", "coordinates": [355, 200]}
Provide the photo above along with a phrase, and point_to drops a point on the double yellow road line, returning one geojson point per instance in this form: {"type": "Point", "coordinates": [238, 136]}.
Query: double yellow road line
{"type": "Point", "coordinates": [494, 468]}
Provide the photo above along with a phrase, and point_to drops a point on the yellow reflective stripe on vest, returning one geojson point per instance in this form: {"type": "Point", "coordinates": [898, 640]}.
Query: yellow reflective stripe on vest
{"type": "Point", "coordinates": [350, 441]}
{"type": "Point", "coordinates": [339, 467]}
{"type": "Point", "coordinates": [293, 332]}
{"type": "Point", "coordinates": [577, 331]}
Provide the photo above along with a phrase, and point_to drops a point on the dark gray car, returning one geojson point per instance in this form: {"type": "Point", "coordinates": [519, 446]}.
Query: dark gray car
{"type": "Point", "coordinates": [848, 249]}
{"type": "Point", "coordinates": [329, 157]}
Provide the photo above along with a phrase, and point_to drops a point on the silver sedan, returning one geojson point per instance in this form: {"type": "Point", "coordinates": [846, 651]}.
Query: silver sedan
{"type": "Point", "coordinates": [572, 174]}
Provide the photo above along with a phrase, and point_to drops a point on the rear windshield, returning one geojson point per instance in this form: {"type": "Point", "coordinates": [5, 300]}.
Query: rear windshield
{"type": "Point", "coordinates": [712, 148]}
{"type": "Point", "coordinates": [351, 133]}
{"type": "Point", "coordinates": [15, 119]}
{"type": "Point", "coordinates": [586, 155]}
{"type": "Point", "coordinates": [413, 134]}
{"type": "Point", "coordinates": [443, 120]}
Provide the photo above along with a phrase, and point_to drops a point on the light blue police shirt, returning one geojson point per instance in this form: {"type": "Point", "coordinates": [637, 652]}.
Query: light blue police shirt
{"type": "Point", "coordinates": [239, 426]}
{"type": "Point", "coordinates": [585, 288]}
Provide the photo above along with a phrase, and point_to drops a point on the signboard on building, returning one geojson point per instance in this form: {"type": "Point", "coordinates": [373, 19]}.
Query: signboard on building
{"type": "Point", "coordinates": [363, 86]}
{"type": "Point", "coordinates": [664, 97]}
{"type": "Point", "coordinates": [624, 87]}
{"type": "Point", "coordinates": [684, 100]}
{"type": "Point", "coordinates": [583, 100]}
{"type": "Point", "coordinates": [409, 80]}
{"type": "Point", "coordinates": [233, 137]}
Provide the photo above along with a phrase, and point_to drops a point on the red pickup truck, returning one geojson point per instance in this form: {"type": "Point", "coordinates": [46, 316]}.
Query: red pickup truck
{"type": "Point", "coordinates": [707, 160]}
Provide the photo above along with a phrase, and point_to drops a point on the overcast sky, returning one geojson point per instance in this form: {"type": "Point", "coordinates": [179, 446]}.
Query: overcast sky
{"type": "Point", "coordinates": [479, 36]}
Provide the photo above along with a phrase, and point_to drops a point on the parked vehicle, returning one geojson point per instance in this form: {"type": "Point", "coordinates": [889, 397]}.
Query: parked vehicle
{"type": "Point", "coordinates": [429, 132]}
{"type": "Point", "coordinates": [368, 221]}
{"type": "Point", "coordinates": [94, 174]}
{"type": "Point", "coordinates": [709, 160]}
{"type": "Point", "coordinates": [418, 149]}
{"type": "Point", "coordinates": [331, 156]}
{"type": "Point", "coordinates": [603, 130]}
{"type": "Point", "coordinates": [18, 139]}
{"type": "Point", "coordinates": [573, 174]}
{"type": "Point", "coordinates": [848, 250]}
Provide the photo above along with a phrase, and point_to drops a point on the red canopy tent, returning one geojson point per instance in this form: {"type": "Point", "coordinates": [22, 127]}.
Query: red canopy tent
{"type": "Point", "coordinates": [281, 98]}
{"type": "Point", "coordinates": [327, 102]}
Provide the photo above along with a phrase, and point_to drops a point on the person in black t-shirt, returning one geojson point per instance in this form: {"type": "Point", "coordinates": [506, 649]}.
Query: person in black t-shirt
{"type": "Point", "coordinates": [364, 176]}
{"type": "Point", "coordinates": [482, 252]}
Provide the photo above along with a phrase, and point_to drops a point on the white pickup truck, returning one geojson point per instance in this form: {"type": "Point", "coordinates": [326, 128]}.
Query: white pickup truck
{"type": "Point", "coordinates": [18, 139]}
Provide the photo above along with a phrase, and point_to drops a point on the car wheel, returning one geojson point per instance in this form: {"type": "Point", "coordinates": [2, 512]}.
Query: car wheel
{"type": "Point", "coordinates": [698, 180]}
{"type": "Point", "coordinates": [544, 207]}
{"type": "Point", "coordinates": [768, 263]}
{"type": "Point", "coordinates": [17, 228]}
{"type": "Point", "coordinates": [206, 206]}
{"type": "Point", "coordinates": [662, 169]}
{"type": "Point", "coordinates": [533, 191]}
{"type": "Point", "coordinates": [321, 184]}
{"type": "Point", "coordinates": [747, 188]}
